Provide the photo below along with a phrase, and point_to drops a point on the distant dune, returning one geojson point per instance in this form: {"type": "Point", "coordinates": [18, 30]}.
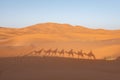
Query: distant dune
{"type": "Point", "coordinates": [17, 41]}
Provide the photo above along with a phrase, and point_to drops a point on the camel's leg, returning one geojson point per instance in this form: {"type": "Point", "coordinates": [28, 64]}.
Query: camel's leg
{"type": "Point", "coordinates": [59, 54]}
{"type": "Point", "coordinates": [78, 56]}
{"type": "Point", "coordinates": [63, 54]}
{"type": "Point", "coordinates": [49, 54]}
{"type": "Point", "coordinates": [69, 54]}
{"type": "Point", "coordinates": [72, 55]}
{"type": "Point", "coordinates": [54, 54]}
{"type": "Point", "coordinates": [46, 53]}
{"type": "Point", "coordinates": [40, 53]}
{"type": "Point", "coordinates": [94, 57]}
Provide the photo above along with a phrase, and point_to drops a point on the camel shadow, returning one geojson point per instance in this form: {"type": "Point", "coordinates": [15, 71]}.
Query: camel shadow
{"type": "Point", "coordinates": [62, 52]}
{"type": "Point", "coordinates": [80, 54]}
{"type": "Point", "coordinates": [90, 55]}
{"type": "Point", "coordinates": [71, 53]}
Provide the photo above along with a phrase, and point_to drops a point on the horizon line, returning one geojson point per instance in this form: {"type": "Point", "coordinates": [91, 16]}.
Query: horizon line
{"type": "Point", "coordinates": [60, 23]}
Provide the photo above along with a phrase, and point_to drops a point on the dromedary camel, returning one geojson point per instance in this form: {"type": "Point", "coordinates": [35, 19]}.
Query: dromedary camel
{"type": "Point", "coordinates": [54, 52]}
{"type": "Point", "coordinates": [80, 54]}
{"type": "Point", "coordinates": [48, 52]}
{"type": "Point", "coordinates": [38, 52]}
{"type": "Point", "coordinates": [70, 53]}
{"type": "Point", "coordinates": [90, 55]}
{"type": "Point", "coordinates": [62, 52]}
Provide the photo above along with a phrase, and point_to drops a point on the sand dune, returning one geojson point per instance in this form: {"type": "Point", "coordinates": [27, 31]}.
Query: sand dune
{"type": "Point", "coordinates": [53, 35]}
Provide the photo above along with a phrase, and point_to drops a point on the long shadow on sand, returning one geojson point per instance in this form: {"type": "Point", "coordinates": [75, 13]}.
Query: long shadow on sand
{"type": "Point", "coordinates": [57, 68]}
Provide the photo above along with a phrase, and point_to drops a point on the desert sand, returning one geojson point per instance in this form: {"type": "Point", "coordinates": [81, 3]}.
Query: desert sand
{"type": "Point", "coordinates": [53, 51]}
{"type": "Point", "coordinates": [20, 41]}
{"type": "Point", "coordinates": [56, 68]}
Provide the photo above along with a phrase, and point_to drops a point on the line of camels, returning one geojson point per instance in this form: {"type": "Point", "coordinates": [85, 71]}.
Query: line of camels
{"type": "Point", "coordinates": [62, 52]}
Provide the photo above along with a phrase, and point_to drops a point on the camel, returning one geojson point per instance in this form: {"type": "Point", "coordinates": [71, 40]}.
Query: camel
{"type": "Point", "coordinates": [70, 53]}
{"type": "Point", "coordinates": [48, 52]}
{"type": "Point", "coordinates": [54, 52]}
{"type": "Point", "coordinates": [90, 55]}
{"type": "Point", "coordinates": [39, 51]}
{"type": "Point", "coordinates": [62, 52]}
{"type": "Point", "coordinates": [80, 53]}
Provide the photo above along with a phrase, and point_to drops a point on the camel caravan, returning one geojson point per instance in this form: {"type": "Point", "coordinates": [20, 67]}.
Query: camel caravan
{"type": "Point", "coordinates": [71, 53]}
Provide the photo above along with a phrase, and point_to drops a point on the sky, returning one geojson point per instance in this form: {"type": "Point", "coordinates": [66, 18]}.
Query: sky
{"type": "Point", "coordinates": [90, 13]}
